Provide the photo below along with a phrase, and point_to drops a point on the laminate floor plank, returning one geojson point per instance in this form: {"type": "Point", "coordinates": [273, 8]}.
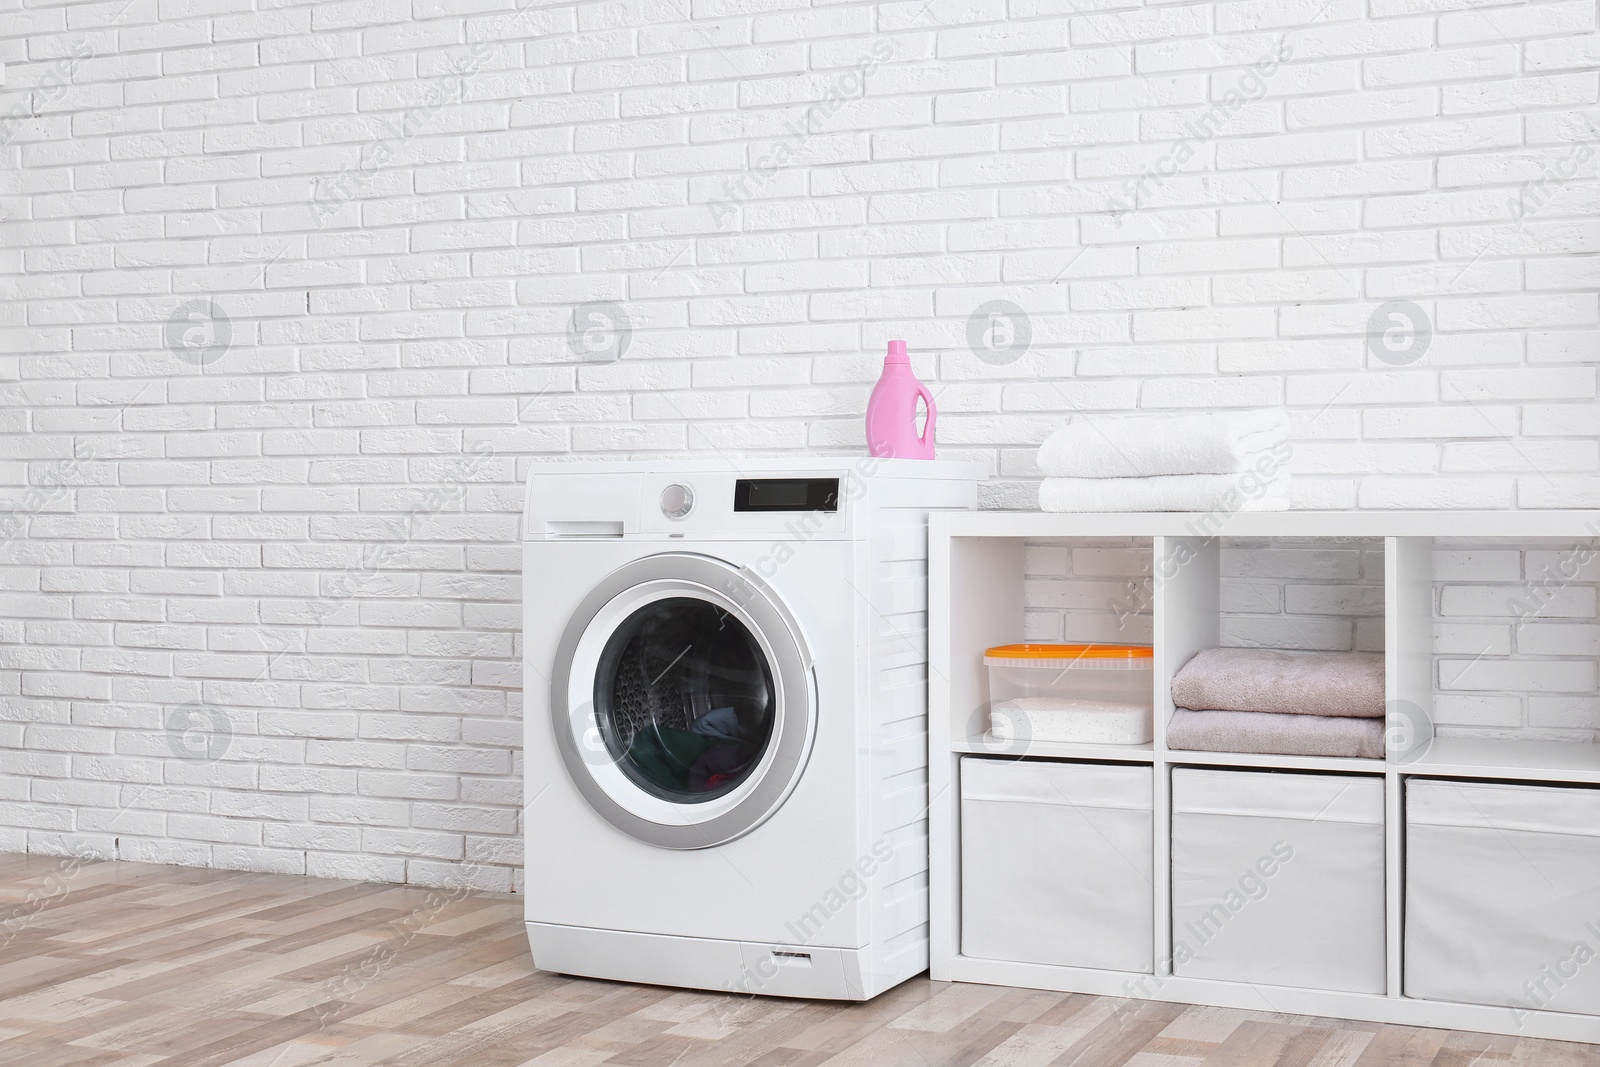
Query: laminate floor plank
{"type": "Point", "coordinates": [137, 965]}
{"type": "Point", "coordinates": [1344, 1048]}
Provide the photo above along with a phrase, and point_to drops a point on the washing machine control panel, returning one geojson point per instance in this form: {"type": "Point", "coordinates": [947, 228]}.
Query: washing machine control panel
{"type": "Point", "coordinates": [714, 505]}
{"type": "Point", "coordinates": [785, 505]}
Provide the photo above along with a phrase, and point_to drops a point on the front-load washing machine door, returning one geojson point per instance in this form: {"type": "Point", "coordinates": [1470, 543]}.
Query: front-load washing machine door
{"type": "Point", "coordinates": [683, 700]}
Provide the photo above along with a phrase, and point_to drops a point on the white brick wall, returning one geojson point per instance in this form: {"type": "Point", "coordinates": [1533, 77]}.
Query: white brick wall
{"type": "Point", "coordinates": [304, 521]}
{"type": "Point", "coordinates": [1517, 637]}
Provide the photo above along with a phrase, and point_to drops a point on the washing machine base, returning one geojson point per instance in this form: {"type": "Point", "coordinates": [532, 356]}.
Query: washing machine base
{"type": "Point", "coordinates": [755, 968]}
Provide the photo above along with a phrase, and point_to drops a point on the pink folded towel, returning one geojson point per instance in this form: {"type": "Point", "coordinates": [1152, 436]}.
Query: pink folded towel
{"type": "Point", "coordinates": [1346, 684]}
{"type": "Point", "coordinates": [1282, 735]}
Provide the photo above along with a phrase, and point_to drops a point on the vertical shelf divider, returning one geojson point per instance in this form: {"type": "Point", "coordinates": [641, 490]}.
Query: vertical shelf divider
{"type": "Point", "coordinates": [1188, 611]}
{"type": "Point", "coordinates": [1408, 704]}
{"type": "Point", "coordinates": [1408, 645]}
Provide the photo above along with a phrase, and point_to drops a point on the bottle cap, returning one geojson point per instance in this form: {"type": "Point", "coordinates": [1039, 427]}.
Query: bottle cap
{"type": "Point", "coordinates": [897, 353]}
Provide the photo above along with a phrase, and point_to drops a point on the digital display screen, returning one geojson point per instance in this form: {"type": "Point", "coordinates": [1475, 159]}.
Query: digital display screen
{"type": "Point", "coordinates": [786, 494]}
{"type": "Point", "coordinates": [772, 494]}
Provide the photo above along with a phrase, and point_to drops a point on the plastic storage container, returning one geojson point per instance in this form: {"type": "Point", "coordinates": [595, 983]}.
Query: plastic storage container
{"type": "Point", "coordinates": [1057, 863]}
{"type": "Point", "coordinates": [1277, 879]}
{"type": "Point", "coordinates": [1087, 694]}
{"type": "Point", "coordinates": [1503, 895]}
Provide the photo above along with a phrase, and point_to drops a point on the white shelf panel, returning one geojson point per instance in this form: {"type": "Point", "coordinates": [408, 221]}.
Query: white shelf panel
{"type": "Point", "coordinates": [1534, 761]}
{"type": "Point", "coordinates": [1404, 1011]}
{"type": "Point", "coordinates": [983, 745]}
{"type": "Point", "coordinates": [1530, 524]}
{"type": "Point", "coordinates": [1267, 761]}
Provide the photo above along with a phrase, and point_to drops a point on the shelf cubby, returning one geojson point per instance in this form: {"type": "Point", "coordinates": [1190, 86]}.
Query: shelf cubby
{"type": "Point", "coordinates": [1305, 593]}
{"type": "Point", "coordinates": [1502, 682]}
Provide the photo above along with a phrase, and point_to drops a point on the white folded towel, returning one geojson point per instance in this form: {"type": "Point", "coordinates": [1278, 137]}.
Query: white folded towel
{"type": "Point", "coordinates": [1247, 491]}
{"type": "Point", "coordinates": [1136, 446]}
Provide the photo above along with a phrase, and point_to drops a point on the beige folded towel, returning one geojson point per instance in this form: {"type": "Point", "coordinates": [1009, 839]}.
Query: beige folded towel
{"type": "Point", "coordinates": [1346, 684]}
{"type": "Point", "coordinates": [1282, 735]}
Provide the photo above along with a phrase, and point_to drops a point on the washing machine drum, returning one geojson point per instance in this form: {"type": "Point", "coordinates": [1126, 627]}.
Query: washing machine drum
{"type": "Point", "coordinates": [683, 700]}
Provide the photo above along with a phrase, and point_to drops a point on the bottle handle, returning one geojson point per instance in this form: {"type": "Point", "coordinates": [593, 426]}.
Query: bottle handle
{"type": "Point", "coordinates": [933, 413]}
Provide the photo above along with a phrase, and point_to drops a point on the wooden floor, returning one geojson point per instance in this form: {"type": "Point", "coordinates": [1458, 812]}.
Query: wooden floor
{"type": "Point", "coordinates": [133, 964]}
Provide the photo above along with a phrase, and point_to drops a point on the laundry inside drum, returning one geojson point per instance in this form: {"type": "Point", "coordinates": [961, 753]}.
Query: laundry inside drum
{"type": "Point", "coordinates": [685, 700]}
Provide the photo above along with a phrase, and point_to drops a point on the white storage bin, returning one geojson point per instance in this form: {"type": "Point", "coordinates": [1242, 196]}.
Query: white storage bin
{"type": "Point", "coordinates": [1087, 694]}
{"type": "Point", "coordinates": [1056, 863]}
{"type": "Point", "coordinates": [1277, 879]}
{"type": "Point", "coordinates": [1503, 895]}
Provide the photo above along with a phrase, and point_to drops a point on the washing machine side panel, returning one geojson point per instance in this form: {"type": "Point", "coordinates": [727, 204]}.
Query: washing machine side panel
{"type": "Point", "coordinates": [895, 681]}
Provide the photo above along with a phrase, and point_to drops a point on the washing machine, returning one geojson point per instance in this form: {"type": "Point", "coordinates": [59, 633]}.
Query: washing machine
{"type": "Point", "coordinates": [726, 721]}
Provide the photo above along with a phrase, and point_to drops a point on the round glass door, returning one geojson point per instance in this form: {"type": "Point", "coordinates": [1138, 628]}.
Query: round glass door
{"type": "Point", "coordinates": [683, 701]}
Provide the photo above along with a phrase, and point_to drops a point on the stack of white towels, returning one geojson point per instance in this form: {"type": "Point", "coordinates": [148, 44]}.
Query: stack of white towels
{"type": "Point", "coordinates": [1227, 461]}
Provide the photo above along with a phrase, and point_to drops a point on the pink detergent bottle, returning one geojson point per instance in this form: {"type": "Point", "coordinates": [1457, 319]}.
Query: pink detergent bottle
{"type": "Point", "coordinates": [892, 410]}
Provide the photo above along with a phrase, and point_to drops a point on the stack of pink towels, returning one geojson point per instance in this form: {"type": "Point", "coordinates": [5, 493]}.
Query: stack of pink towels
{"type": "Point", "coordinates": [1285, 703]}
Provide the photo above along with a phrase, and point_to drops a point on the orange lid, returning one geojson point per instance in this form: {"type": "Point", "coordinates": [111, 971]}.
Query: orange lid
{"type": "Point", "coordinates": [1029, 651]}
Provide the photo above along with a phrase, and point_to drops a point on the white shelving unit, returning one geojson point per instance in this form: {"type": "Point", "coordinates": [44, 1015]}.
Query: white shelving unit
{"type": "Point", "coordinates": [977, 600]}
